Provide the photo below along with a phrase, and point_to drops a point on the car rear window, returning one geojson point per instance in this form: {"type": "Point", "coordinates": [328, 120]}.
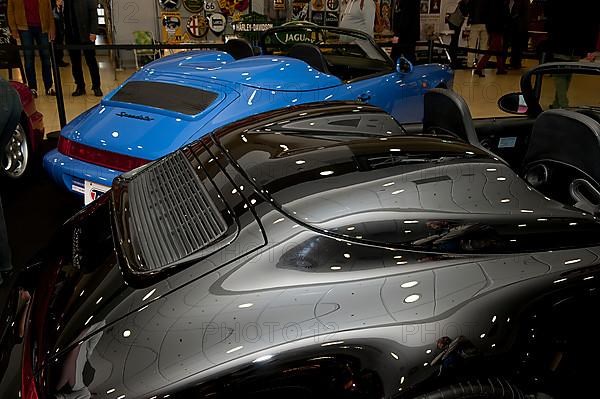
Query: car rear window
{"type": "Point", "coordinates": [170, 97]}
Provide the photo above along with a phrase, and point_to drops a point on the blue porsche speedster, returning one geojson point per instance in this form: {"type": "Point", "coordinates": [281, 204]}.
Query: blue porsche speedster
{"type": "Point", "coordinates": [178, 99]}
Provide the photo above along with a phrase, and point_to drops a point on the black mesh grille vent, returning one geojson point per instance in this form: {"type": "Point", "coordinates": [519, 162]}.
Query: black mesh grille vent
{"type": "Point", "coordinates": [171, 213]}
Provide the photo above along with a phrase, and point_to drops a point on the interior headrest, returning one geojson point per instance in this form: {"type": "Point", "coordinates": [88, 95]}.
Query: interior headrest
{"type": "Point", "coordinates": [444, 110]}
{"type": "Point", "coordinates": [239, 48]}
{"type": "Point", "coordinates": [310, 54]}
{"type": "Point", "coordinates": [567, 137]}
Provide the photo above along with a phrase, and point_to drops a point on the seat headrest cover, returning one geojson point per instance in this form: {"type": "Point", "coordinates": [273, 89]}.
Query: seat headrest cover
{"type": "Point", "coordinates": [310, 54]}
{"type": "Point", "coordinates": [447, 111]}
{"type": "Point", "coordinates": [239, 48]}
{"type": "Point", "coordinates": [567, 137]}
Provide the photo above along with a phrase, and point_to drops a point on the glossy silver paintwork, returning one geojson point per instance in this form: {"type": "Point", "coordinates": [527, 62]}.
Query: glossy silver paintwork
{"type": "Point", "coordinates": [290, 303]}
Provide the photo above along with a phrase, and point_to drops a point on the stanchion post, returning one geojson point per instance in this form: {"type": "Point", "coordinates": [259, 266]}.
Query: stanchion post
{"type": "Point", "coordinates": [430, 51]}
{"type": "Point", "coordinates": [60, 100]}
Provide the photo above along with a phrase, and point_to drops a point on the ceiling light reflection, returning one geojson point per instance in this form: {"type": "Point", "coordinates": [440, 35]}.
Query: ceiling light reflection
{"type": "Point", "coordinates": [149, 294]}
{"type": "Point", "coordinates": [409, 284]}
{"type": "Point", "coordinates": [237, 348]}
{"type": "Point", "coordinates": [412, 298]}
{"type": "Point", "coordinates": [262, 358]}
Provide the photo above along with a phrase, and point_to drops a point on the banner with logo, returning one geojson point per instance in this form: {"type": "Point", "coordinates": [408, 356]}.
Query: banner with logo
{"type": "Point", "coordinates": [217, 23]}
{"type": "Point", "coordinates": [171, 27]}
{"type": "Point", "coordinates": [300, 10]}
{"type": "Point", "coordinates": [193, 6]}
{"type": "Point", "coordinates": [197, 26]}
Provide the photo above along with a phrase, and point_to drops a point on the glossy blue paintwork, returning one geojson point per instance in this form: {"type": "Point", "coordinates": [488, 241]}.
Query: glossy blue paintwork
{"type": "Point", "coordinates": [244, 87]}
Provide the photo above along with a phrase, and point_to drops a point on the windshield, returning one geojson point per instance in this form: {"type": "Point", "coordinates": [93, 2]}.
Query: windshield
{"type": "Point", "coordinates": [568, 90]}
{"type": "Point", "coordinates": [349, 54]}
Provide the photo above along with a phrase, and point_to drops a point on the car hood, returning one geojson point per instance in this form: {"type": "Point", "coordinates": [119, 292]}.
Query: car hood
{"type": "Point", "coordinates": [417, 192]}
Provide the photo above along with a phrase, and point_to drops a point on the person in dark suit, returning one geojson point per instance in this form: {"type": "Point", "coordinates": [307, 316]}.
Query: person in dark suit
{"type": "Point", "coordinates": [572, 27]}
{"type": "Point", "coordinates": [516, 32]}
{"type": "Point", "coordinates": [10, 112]}
{"type": "Point", "coordinates": [81, 27]}
{"type": "Point", "coordinates": [407, 29]}
{"type": "Point", "coordinates": [59, 24]}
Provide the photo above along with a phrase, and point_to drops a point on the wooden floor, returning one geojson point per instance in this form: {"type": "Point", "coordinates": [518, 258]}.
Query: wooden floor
{"type": "Point", "coordinates": [480, 93]}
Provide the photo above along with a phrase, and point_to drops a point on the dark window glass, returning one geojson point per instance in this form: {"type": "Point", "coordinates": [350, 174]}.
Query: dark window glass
{"type": "Point", "coordinates": [170, 97]}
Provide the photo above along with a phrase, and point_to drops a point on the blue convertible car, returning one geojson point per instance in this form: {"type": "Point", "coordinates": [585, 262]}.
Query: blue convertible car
{"type": "Point", "coordinates": [178, 99]}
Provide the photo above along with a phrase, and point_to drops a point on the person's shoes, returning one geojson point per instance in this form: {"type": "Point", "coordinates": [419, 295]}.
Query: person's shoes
{"type": "Point", "coordinates": [97, 91]}
{"type": "Point", "coordinates": [480, 73]}
{"type": "Point", "coordinates": [51, 92]}
{"type": "Point", "coordinates": [501, 72]}
{"type": "Point", "coordinates": [34, 93]}
{"type": "Point", "coordinates": [62, 63]}
{"type": "Point", "coordinates": [79, 91]}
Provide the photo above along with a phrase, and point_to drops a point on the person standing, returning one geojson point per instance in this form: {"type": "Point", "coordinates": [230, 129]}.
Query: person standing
{"type": "Point", "coordinates": [516, 33]}
{"type": "Point", "coordinates": [407, 29]}
{"type": "Point", "coordinates": [455, 22]}
{"type": "Point", "coordinates": [31, 21]}
{"type": "Point", "coordinates": [81, 27]}
{"type": "Point", "coordinates": [478, 35]}
{"type": "Point", "coordinates": [495, 22]}
{"type": "Point", "coordinates": [573, 29]}
{"type": "Point", "coordinates": [359, 15]}
{"type": "Point", "coordinates": [59, 23]}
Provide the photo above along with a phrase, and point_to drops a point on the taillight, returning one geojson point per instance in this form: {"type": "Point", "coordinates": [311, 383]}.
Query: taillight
{"type": "Point", "coordinates": [108, 159]}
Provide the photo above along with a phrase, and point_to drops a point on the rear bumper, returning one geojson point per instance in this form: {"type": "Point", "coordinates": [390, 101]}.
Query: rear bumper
{"type": "Point", "coordinates": [72, 173]}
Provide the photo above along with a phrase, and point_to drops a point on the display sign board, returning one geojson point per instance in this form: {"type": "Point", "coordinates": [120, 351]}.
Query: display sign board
{"type": "Point", "coordinates": [193, 6]}
{"type": "Point", "coordinates": [332, 18]}
{"type": "Point", "coordinates": [171, 27]}
{"type": "Point", "coordinates": [211, 6]}
{"type": "Point", "coordinates": [253, 23]}
{"type": "Point", "coordinates": [229, 7]}
{"type": "Point", "coordinates": [333, 5]}
{"type": "Point", "coordinates": [197, 25]}
{"type": "Point", "coordinates": [169, 5]}
{"type": "Point", "coordinates": [318, 17]}
{"type": "Point", "coordinates": [279, 4]}
{"type": "Point", "coordinates": [300, 10]}
{"type": "Point", "coordinates": [217, 23]}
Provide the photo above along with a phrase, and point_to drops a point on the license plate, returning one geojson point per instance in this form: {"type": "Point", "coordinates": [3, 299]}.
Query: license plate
{"type": "Point", "coordinates": [92, 191]}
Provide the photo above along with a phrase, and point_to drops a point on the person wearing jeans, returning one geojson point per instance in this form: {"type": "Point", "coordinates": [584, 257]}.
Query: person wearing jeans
{"type": "Point", "coordinates": [32, 22]}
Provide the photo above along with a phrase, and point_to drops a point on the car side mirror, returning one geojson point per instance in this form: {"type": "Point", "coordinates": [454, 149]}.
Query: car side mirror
{"type": "Point", "coordinates": [403, 65]}
{"type": "Point", "coordinates": [513, 103]}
